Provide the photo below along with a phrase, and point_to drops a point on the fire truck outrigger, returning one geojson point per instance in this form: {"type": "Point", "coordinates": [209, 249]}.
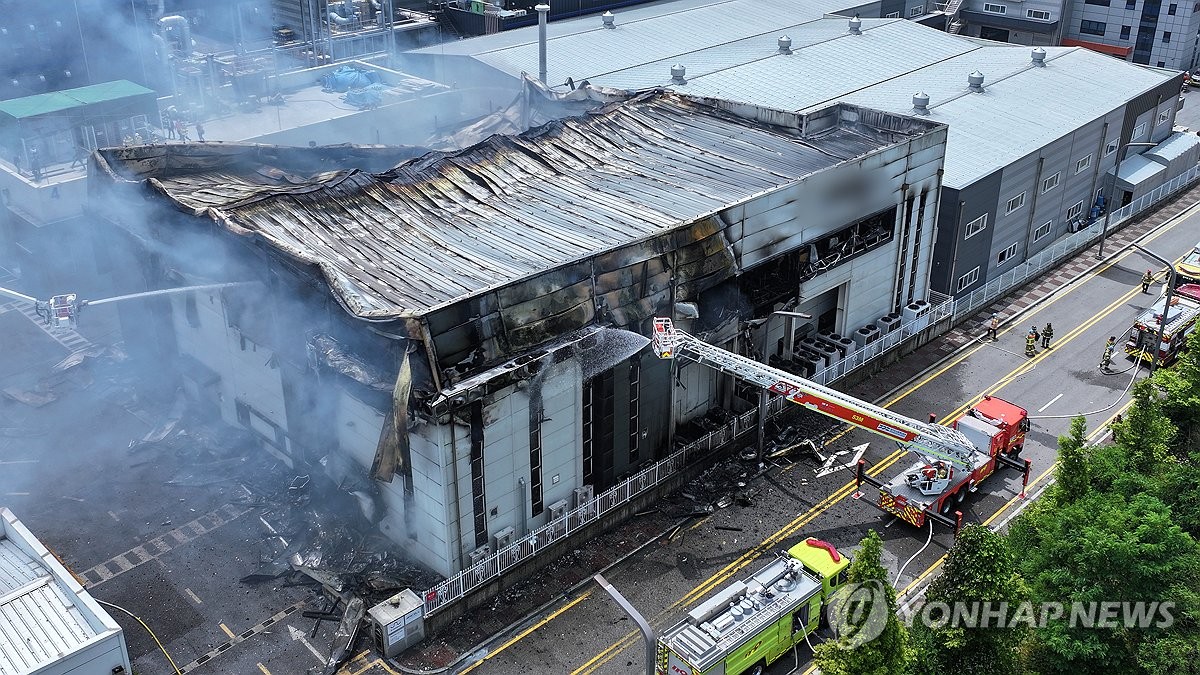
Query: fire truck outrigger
{"type": "Point", "coordinates": [954, 460]}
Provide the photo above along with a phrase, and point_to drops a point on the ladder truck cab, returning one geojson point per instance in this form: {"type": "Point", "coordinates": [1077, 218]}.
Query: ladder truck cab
{"type": "Point", "coordinates": [996, 431]}
{"type": "Point", "coordinates": [1182, 316]}
{"type": "Point", "coordinates": [749, 624]}
{"type": "Point", "coordinates": [954, 460]}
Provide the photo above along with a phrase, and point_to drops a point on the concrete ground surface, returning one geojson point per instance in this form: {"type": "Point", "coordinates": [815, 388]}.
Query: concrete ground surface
{"type": "Point", "coordinates": [173, 554]}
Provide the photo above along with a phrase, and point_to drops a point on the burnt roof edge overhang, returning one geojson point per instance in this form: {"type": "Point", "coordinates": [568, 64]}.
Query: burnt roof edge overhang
{"type": "Point", "coordinates": [349, 296]}
{"type": "Point", "coordinates": [729, 107]}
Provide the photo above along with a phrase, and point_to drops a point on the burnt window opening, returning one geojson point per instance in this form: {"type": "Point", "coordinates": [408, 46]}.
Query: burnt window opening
{"type": "Point", "coordinates": [535, 456]}
{"type": "Point", "coordinates": [190, 311]}
{"type": "Point", "coordinates": [777, 279]}
{"type": "Point", "coordinates": [587, 432]}
{"type": "Point", "coordinates": [635, 427]}
{"type": "Point", "coordinates": [478, 505]}
{"type": "Point", "coordinates": [266, 429]}
{"type": "Point", "coordinates": [916, 249]}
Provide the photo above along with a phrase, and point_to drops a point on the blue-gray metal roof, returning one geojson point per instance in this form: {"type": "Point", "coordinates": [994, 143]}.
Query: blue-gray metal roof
{"type": "Point", "coordinates": [729, 50]}
{"type": "Point", "coordinates": [582, 48]}
{"type": "Point", "coordinates": [1174, 146]}
{"type": "Point", "coordinates": [1022, 108]}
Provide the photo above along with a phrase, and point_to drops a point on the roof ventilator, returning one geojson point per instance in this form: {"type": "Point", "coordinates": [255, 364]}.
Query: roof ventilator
{"type": "Point", "coordinates": [677, 74]}
{"type": "Point", "coordinates": [855, 25]}
{"type": "Point", "coordinates": [975, 80]}
{"type": "Point", "coordinates": [921, 103]}
{"type": "Point", "coordinates": [1039, 57]}
{"type": "Point", "coordinates": [609, 20]}
{"type": "Point", "coordinates": [785, 45]}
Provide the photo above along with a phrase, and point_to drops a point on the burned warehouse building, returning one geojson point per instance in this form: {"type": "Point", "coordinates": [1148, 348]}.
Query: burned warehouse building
{"type": "Point", "coordinates": [468, 327]}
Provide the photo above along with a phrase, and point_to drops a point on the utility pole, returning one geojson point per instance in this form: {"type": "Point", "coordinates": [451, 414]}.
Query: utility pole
{"type": "Point", "coordinates": [1162, 322]}
{"type": "Point", "coordinates": [631, 611]}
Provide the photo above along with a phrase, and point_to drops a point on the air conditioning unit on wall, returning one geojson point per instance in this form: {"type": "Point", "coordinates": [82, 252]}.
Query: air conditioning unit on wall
{"type": "Point", "coordinates": [558, 509]}
{"type": "Point", "coordinates": [480, 554]}
{"type": "Point", "coordinates": [503, 538]}
{"type": "Point", "coordinates": [583, 495]}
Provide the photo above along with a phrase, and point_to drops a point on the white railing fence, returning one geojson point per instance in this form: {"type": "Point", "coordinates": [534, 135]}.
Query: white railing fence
{"type": "Point", "coordinates": [1066, 246]}
{"type": "Point", "coordinates": [942, 307]}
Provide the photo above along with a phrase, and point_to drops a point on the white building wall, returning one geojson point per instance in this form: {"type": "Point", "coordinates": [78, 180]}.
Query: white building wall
{"type": "Point", "coordinates": [430, 520]}
{"type": "Point", "coordinates": [242, 365]}
{"type": "Point", "coordinates": [562, 444]}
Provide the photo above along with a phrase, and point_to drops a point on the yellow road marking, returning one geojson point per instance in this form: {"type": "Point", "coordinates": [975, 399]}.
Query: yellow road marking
{"type": "Point", "coordinates": [520, 636]}
{"type": "Point", "coordinates": [614, 649]}
{"type": "Point", "coordinates": [227, 631]}
{"type": "Point", "coordinates": [263, 669]}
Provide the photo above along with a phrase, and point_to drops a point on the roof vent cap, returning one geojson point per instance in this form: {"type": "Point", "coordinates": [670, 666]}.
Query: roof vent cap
{"type": "Point", "coordinates": [921, 103]}
{"type": "Point", "coordinates": [677, 73]}
{"type": "Point", "coordinates": [855, 25]}
{"type": "Point", "coordinates": [975, 80]}
{"type": "Point", "coordinates": [1039, 56]}
{"type": "Point", "coordinates": [609, 20]}
{"type": "Point", "coordinates": [785, 45]}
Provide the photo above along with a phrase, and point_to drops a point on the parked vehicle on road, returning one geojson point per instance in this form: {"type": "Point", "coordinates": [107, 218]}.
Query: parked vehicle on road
{"type": "Point", "coordinates": [1181, 320]}
{"type": "Point", "coordinates": [953, 460]}
{"type": "Point", "coordinates": [749, 624]}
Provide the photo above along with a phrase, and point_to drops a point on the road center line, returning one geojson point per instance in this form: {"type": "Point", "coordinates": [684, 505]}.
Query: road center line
{"type": "Point", "coordinates": [1043, 408]}
{"type": "Point", "coordinates": [614, 649]}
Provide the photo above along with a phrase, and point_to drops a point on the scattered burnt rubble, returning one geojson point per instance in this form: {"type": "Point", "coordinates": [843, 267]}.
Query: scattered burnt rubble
{"type": "Point", "coordinates": [314, 532]}
{"type": "Point", "coordinates": [96, 368]}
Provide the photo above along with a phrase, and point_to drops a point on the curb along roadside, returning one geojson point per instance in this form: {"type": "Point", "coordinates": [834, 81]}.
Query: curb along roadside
{"type": "Point", "coordinates": [484, 648]}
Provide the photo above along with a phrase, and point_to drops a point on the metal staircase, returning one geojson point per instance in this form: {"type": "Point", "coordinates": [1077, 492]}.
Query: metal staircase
{"type": "Point", "coordinates": [953, 23]}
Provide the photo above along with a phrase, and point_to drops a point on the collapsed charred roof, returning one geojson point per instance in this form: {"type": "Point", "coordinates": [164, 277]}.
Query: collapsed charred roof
{"type": "Point", "coordinates": [605, 217]}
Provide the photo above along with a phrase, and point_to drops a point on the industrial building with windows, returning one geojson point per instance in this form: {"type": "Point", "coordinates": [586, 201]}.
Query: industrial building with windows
{"type": "Point", "coordinates": [1161, 34]}
{"type": "Point", "coordinates": [1035, 135]}
{"type": "Point", "coordinates": [468, 327]}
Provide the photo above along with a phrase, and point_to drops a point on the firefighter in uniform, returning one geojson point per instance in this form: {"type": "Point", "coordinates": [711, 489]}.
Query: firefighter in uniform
{"type": "Point", "coordinates": [1031, 342]}
{"type": "Point", "coordinates": [1047, 335]}
{"type": "Point", "coordinates": [1147, 279]}
{"type": "Point", "coordinates": [1109, 346]}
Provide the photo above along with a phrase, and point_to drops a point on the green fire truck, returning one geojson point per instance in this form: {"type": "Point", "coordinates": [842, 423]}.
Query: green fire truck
{"type": "Point", "coordinates": [750, 624]}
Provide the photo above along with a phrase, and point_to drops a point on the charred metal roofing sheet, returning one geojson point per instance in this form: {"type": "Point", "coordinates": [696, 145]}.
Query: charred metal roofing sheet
{"type": "Point", "coordinates": [446, 226]}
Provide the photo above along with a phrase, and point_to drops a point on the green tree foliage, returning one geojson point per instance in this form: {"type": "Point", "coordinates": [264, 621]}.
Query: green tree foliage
{"type": "Point", "coordinates": [1106, 548]}
{"type": "Point", "coordinates": [1181, 383]}
{"type": "Point", "coordinates": [887, 654]}
{"type": "Point", "coordinates": [980, 568]}
{"type": "Point", "coordinates": [1071, 477]}
{"type": "Point", "coordinates": [1146, 433]}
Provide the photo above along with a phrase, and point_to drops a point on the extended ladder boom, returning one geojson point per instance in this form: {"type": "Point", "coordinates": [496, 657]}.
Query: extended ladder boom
{"type": "Point", "coordinates": [931, 440]}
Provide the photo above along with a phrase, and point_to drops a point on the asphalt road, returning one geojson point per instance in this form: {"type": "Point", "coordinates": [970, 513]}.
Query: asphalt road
{"type": "Point", "coordinates": [590, 634]}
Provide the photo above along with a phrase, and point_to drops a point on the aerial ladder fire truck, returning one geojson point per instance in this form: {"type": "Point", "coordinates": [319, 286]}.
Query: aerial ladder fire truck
{"type": "Point", "coordinates": [953, 461]}
{"type": "Point", "coordinates": [62, 311]}
{"type": "Point", "coordinates": [1182, 317]}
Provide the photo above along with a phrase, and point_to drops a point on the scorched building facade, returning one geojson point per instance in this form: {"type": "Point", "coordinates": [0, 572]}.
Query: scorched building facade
{"type": "Point", "coordinates": [468, 328]}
